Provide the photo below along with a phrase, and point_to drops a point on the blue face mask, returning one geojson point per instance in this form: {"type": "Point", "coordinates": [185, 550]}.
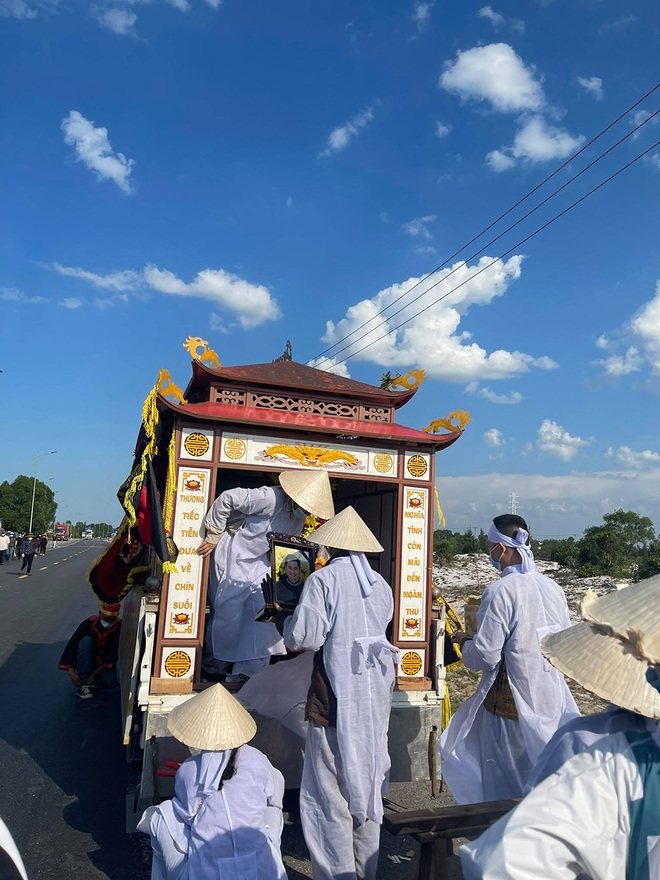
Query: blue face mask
{"type": "Point", "coordinates": [496, 565]}
{"type": "Point", "coordinates": [299, 513]}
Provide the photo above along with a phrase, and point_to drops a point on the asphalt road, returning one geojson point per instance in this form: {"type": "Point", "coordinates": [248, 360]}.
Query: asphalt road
{"type": "Point", "coordinates": [63, 790]}
{"type": "Point", "coordinates": [64, 773]}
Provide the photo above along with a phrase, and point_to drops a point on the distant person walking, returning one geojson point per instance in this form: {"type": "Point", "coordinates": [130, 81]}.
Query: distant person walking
{"type": "Point", "coordinates": [4, 546]}
{"type": "Point", "coordinates": [27, 551]}
{"type": "Point", "coordinates": [43, 544]}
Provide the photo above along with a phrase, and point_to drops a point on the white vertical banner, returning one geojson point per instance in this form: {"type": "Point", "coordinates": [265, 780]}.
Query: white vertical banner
{"type": "Point", "coordinates": [182, 612]}
{"type": "Point", "coordinates": [413, 574]}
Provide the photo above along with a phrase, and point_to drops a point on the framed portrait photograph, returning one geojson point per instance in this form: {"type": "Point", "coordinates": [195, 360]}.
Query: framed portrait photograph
{"type": "Point", "coordinates": [292, 561]}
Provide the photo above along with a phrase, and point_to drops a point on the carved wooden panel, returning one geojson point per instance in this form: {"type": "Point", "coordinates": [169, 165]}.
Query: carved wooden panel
{"type": "Point", "coordinates": [376, 414]}
{"type": "Point", "coordinates": [226, 395]}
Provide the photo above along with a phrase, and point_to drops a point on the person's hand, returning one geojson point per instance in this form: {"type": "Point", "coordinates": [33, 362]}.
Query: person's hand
{"type": "Point", "coordinates": [75, 679]}
{"type": "Point", "coordinates": [459, 639]}
{"type": "Point", "coordinates": [205, 548]}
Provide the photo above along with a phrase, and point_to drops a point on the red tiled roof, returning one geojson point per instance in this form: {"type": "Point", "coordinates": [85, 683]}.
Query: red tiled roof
{"type": "Point", "coordinates": [289, 374]}
{"type": "Point", "coordinates": [248, 415]}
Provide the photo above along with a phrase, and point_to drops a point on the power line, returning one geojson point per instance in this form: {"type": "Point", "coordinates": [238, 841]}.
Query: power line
{"type": "Point", "coordinates": [503, 255]}
{"type": "Point", "coordinates": [497, 219]}
{"type": "Point", "coordinates": [504, 232]}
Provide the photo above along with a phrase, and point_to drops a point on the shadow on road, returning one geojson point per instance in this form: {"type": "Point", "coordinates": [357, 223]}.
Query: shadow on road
{"type": "Point", "coordinates": [65, 788]}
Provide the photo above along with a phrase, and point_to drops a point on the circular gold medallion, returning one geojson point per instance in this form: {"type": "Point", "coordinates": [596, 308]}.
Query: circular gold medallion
{"type": "Point", "coordinates": [196, 444]}
{"type": "Point", "coordinates": [234, 448]}
{"type": "Point", "coordinates": [178, 663]}
{"type": "Point", "coordinates": [383, 462]}
{"type": "Point", "coordinates": [417, 466]}
{"type": "Point", "coordinates": [411, 663]}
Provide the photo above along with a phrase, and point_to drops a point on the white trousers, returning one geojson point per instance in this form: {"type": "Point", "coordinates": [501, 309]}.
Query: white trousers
{"type": "Point", "coordinates": [338, 850]}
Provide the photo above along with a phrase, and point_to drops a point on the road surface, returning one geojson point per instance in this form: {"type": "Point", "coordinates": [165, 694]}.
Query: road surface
{"type": "Point", "coordinates": [64, 775]}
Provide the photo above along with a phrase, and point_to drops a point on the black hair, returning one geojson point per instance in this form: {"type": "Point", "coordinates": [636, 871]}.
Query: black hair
{"type": "Point", "coordinates": [508, 524]}
{"type": "Point", "coordinates": [230, 769]}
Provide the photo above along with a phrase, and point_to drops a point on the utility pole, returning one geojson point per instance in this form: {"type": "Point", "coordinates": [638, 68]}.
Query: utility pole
{"type": "Point", "coordinates": [513, 503]}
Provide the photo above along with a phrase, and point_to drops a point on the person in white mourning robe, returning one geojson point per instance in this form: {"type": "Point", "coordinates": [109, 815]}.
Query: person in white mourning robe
{"type": "Point", "coordinates": [497, 735]}
{"type": "Point", "coordinates": [225, 820]}
{"type": "Point", "coordinates": [342, 615]}
{"type": "Point", "coordinates": [235, 532]}
{"type": "Point", "coordinates": [598, 815]}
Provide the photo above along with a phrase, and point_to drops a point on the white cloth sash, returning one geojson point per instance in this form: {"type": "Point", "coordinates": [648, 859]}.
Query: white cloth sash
{"type": "Point", "coordinates": [371, 647]}
{"type": "Point", "coordinates": [364, 572]}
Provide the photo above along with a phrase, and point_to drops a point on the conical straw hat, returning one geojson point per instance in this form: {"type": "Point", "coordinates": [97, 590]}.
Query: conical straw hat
{"type": "Point", "coordinates": [347, 531]}
{"type": "Point", "coordinates": [604, 664]}
{"type": "Point", "coordinates": [310, 490]}
{"type": "Point", "coordinates": [212, 720]}
{"type": "Point", "coordinates": [632, 613]}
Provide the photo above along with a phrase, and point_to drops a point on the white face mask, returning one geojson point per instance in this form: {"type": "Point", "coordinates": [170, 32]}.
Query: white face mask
{"type": "Point", "coordinates": [106, 624]}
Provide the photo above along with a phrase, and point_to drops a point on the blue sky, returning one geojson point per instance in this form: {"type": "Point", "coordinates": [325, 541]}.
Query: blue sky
{"type": "Point", "coordinates": [255, 171]}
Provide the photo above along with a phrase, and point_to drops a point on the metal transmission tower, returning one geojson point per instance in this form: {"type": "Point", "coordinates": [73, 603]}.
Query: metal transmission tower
{"type": "Point", "coordinates": [513, 503]}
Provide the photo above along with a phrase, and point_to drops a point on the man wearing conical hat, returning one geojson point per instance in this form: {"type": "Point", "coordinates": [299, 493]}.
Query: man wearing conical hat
{"type": "Point", "coordinates": [497, 735]}
{"type": "Point", "coordinates": [225, 820]}
{"type": "Point", "coordinates": [599, 814]}
{"type": "Point", "coordinates": [236, 528]}
{"type": "Point", "coordinates": [342, 615]}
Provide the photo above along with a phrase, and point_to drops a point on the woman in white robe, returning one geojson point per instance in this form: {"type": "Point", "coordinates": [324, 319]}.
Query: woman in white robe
{"type": "Point", "coordinates": [236, 527]}
{"type": "Point", "coordinates": [225, 820]}
{"type": "Point", "coordinates": [599, 814]}
{"type": "Point", "coordinates": [486, 756]}
{"type": "Point", "coordinates": [344, 611]}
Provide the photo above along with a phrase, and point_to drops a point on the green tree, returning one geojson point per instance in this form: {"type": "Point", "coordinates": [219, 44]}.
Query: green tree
{"type": "Point", "coordinates": [601, 550]}
{"type": "Point", "coordinates": [466, 543]}
{"type": "Point", "coordinates": [636, 532]}
{"type": "Point", "coordinates": [16, 504]}
{"type": "Point", "coordinates": [650, 561]}
{"type": "Point", "coordinates": [444, 546]}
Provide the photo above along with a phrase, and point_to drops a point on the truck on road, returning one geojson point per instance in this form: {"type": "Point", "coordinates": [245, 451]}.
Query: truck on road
{"type": "Point", "coordinates": [62, 532]}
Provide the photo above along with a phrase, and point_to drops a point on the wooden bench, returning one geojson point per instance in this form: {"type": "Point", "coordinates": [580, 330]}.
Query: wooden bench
{"type": "Point", "coordinates": [435, 830]}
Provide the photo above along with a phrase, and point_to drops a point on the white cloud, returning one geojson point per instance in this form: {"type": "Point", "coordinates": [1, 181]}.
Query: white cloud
{"type": "Point", "coordinates": [654, 160]}
{"type": "Point", "coordinates": [340, 137]}
{"type": "Point", "coordinates": [635, 460]}
{"type": "Point", "coordinates": [104, 303]}
{"type": "Point", "coordinates": [425, 249]}
{"type": "Point", "coordinates": [498, 160]}
{"type": "Point", "coordinates": [122, 280]}
{"type": "Point", "coordinates": [593, 85]}
{"type": "Point", "coordinates": [496, 74]}
{"type": "Point", "coordinates": [442, 130]}
{"type": "Point", "coordinates": [645, 326]}
{"type": "Point", "coordinates": [495, 18]}
{"type": "Point", "coordinates": [419, 226]}
{"type": "Point", "coordinates": [330, 365]}
{"type": "Point", "coordinates": [119, 21]}
{"type": "Point", "coordinates": [512, 398]}
{"type": "Point", "coordinates": [289, 202]}
{"type": "Point", "coordinates": [422, 14]}
{"type": "Point", "coordinates": [622, 365]}
{"type": "Point", "coordinates": [641, 336]}
{"type": "Point", "coordinates": [494, 438]}
{"type": "Point", "coordinates": [93, 149]}
{"type": "Point", "coordinates": [16, 9]}
{"type": "Point", "coordinates": [556, 441]}
{"type": "Point", "coordinates": [552, 505]}
{"type": "Point", "coordinates": [536, 141]}
{"type": "Point", "coordinates": [71, 303]}
{"type": "Point", "coordinates": [9, 294]}
{"type": "Point", "coordinates": [251, 303]}
{"type": "Point", "coordinates": [433, 339]}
